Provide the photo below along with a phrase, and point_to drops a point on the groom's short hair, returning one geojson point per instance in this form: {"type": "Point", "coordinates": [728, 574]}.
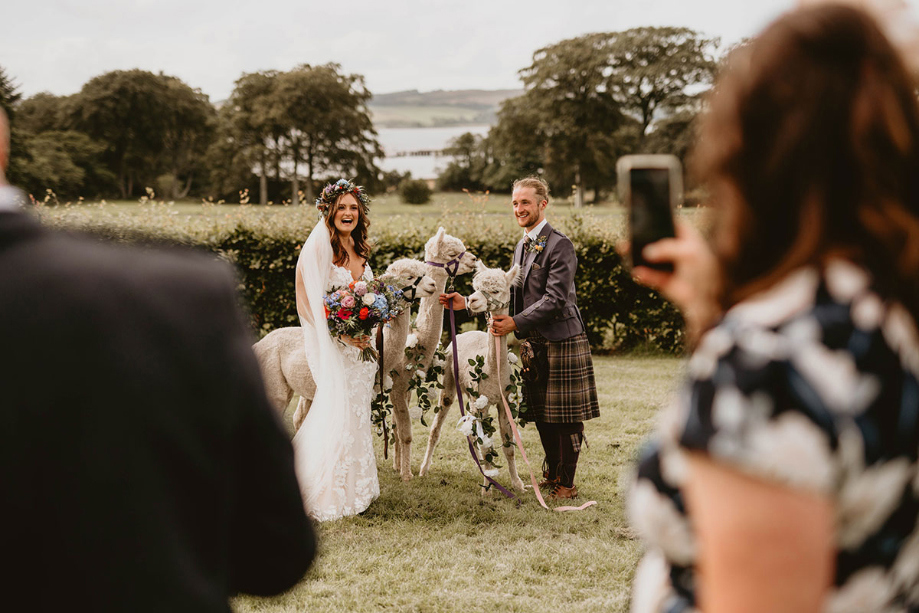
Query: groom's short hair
{"type": "Point", "coordinates": [539, 186]}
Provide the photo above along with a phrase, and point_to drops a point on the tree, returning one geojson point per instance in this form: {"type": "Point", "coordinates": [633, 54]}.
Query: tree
{"type": "Point", "coordinates": [51, 156]}
{"type": "Point", "coordinates": [67, 162]}
{"type": "Point", "coordinates": [189, 130]}
{"type": "Point", "coordinates": [588, 100]}
{"type": "Point", "coordinates": [654, 70]}
{"type": "Point", "coordinates": [573, 108]}
{"type": "Point", "coordinates": [326, 125]}
{"type": "Point", "coordinates": [467, 169]}
{"type": "Point", "coordinates": [43, 112]}
{"type": "Point", "coordinates": [9, 95]}
{"type": "Point", "coordinates": [150, 123]}
{"type": "Point", "coordinates": [515, 145]}
{"type": "Point", "coordinates": [248, 127]}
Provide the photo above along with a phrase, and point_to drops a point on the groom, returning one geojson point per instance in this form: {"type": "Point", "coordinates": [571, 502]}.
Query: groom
{"type": "Point", "coordinates": [546, 315]}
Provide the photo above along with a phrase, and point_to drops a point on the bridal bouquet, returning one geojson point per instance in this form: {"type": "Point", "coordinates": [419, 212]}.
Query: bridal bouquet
{"type": "Point", "coordinates": [354, 310]}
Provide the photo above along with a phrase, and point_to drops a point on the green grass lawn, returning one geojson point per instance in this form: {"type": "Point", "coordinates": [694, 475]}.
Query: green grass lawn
{"type": "Point", "coordinates": [435, 544]}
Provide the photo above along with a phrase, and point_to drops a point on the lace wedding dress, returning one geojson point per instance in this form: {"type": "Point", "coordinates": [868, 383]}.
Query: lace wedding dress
{"type": "Point", "coordinates": [334, 456]}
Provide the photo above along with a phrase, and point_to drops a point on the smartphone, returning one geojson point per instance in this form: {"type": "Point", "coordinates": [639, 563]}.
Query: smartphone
{"type": "Point", "coordinates": [651, 186]}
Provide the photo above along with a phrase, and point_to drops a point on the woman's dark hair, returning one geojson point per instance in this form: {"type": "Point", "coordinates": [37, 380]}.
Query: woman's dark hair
{"type": "Point", "coordinates": [811, 147]}
{"type": "Point", "coordinates": [358, 235]}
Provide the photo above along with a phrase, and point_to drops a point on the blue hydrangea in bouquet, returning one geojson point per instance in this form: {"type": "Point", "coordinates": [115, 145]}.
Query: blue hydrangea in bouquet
{"type": "Point", "coordinates": [354, 310]}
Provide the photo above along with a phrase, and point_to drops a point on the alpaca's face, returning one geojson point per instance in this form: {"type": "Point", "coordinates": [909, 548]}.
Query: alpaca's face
{"type": "Point", "coordinates": [492, 289]}
{"type": "Point", "coordinates": [406, 272]}
{"type": "Point", "coordinates": [443, 248]}
{"type": "Point", "coordinates": [427, 287]}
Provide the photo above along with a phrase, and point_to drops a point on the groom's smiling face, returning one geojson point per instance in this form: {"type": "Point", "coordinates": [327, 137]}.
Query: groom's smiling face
{"type": "Point", "coordinates": [528, 211]}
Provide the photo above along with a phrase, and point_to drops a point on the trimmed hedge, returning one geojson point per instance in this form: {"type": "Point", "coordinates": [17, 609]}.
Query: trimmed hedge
{"type": "Point", "coordinates": [619, 314]}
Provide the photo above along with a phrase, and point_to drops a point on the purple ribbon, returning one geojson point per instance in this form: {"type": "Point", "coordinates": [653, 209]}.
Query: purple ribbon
{"type": "Point", "coordinates": [382, 394]}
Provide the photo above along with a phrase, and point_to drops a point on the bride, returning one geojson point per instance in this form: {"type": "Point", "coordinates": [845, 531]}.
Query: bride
{"type": "Point", "coordinates": [335, 460]}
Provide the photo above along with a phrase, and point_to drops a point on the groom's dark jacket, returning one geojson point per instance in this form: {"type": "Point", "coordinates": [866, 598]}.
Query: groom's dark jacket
{"type": "Point", "coordinates": [141, 466]}
{"type": "Point", "coordinates": [545, 300]}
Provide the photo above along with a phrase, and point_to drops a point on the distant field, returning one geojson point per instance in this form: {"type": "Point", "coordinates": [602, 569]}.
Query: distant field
{"type": "Point", "coordinates": [428, 116]}
{"type": "Point", "coordinates": [438, 108]}
{"type": "Point", "coordinates": [386, 204]}
{"type": "Point", "coordinates": [462, 213]}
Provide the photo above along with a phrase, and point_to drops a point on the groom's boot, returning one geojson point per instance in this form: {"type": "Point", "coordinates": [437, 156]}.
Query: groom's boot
{"type": "Point", "coordinates": [571, 436]}
{"type": "Point", "coordinates": [548, 436]}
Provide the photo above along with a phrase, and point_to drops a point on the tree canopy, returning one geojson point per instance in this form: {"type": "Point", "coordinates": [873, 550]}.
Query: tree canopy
{"type": "Point", "coordinates": [152, 124]}
{"type": "Point", "coordinates": [587, 101]}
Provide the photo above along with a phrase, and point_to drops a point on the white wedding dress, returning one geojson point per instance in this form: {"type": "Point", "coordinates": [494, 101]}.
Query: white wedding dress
{"type": "Point", "coordinates": [334, 455]}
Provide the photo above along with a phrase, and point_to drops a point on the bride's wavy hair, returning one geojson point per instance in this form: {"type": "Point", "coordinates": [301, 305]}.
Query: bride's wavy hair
{"type": "Point", "coordinates": [358, 234]}
{"type": "Point", "coordinates": [811, 149]}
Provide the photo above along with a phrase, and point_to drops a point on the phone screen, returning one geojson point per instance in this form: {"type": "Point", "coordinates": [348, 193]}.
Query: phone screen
{"type": "Point", "coordinates": [650, 216]}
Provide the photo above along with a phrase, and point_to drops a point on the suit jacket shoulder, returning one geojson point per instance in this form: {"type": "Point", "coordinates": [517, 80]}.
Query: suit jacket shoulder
{"type": "Point", "coordinates": [138, 362]}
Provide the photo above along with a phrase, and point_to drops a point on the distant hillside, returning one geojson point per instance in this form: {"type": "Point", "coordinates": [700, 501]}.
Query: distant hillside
{"type": "Point", "coordinates": [414, 109]}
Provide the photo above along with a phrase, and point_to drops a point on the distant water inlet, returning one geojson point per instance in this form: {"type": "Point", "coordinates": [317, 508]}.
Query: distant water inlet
{"type": "Point", "coordinates": [421, 150]}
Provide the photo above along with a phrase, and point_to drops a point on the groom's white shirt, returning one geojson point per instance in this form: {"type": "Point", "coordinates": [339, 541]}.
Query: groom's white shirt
{"type": "Point", "coordinates": [534, 233]}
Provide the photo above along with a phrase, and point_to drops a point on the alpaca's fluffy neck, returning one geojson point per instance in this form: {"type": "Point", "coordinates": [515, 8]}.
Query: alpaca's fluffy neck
{"type": "Point", "coordinates": [398, 327]}
{"type": "Point", "coordinates": [494, 357]}
{"type": "Point", "coordinates": [430, 320]}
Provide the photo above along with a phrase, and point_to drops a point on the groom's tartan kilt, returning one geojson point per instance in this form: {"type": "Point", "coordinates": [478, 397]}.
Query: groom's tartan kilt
{"type": "Point", "coordinates": [570, 393]}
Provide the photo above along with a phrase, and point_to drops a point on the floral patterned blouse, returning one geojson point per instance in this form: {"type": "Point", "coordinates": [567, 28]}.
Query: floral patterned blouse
{"type": "Point", "coordinates": [812, 384]}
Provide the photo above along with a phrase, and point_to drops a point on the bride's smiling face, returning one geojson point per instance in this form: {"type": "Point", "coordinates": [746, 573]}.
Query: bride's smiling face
{"type": "Point", "coordinates": [347, 214]}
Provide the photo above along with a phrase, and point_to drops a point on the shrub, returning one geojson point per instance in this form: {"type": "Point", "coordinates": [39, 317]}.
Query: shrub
{"type": "Point", "coordinates": [619, 315]}
{"type": "Point", "coordinates": [415, 191]}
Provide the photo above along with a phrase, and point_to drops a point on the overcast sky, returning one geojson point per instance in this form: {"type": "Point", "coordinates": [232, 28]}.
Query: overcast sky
{"type": "Point", "coordinates": [58, 45]}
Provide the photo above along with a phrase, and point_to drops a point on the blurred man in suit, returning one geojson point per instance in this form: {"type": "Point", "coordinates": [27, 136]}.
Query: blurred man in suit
{"type": "Point", "coordinates": [546, 318]}
{"type": "Point", "coordinates": [142, 467]}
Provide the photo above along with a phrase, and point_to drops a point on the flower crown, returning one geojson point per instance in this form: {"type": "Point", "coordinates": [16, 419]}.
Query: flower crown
{"type": "Point", "coordinates": [332, 191]}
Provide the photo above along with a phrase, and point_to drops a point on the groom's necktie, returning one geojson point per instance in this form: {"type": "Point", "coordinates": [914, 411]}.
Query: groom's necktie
{"type": "Point", "coordinates": [517, 291]}
{"type": "Point", "coordinates": [526, 247]}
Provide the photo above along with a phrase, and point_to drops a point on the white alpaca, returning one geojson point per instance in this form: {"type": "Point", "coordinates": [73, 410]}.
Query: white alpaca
{"type": "Point", "coordinates": [282, 359]}
{"type": "Point", "coordinates": [441, 249]}
{"type": "Point", "coordinates": [492, 293]}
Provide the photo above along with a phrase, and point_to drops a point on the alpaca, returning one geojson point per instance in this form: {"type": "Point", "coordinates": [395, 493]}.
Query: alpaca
{"type": "Point", "coordinates": [441, 249]}
{"type": "Point", "coordinates": [282, 359]}
{"type": "Point", "coordinates": [492, 293]}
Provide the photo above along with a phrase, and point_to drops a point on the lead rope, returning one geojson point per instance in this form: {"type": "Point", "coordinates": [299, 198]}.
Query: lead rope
{"type": "Point", "coordinates": [382, 394]}
{"type": "Point", "coordinates": [519, 442]}
{"type": "Point", "coordinates": [459, 396]}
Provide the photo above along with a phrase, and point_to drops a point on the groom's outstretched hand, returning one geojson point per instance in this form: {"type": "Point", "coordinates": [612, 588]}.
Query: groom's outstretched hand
{"type": "Point", "coordinates": [458, 301]}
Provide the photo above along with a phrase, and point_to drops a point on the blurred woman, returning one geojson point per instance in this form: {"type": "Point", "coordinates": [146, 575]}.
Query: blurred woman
{"type": "Point", "coordinates": [784, 477]}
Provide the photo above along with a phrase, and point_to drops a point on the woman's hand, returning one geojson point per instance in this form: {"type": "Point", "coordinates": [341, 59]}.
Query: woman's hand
{"type": "Point", "coordinates": [695, 283]}
{"type": "Point", "coordinates": [361, 342]}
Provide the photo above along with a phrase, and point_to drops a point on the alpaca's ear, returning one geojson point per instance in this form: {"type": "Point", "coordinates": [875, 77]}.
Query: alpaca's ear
{"type": "Point", "coordinates": [480, 266]}
{"type": "Point", "coordinates": [513, 275]}
{"type": "Point", "coordinates": [433, 244]}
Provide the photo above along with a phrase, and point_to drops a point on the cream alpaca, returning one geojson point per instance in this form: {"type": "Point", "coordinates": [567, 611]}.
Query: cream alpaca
{"type": "Point", "coordinates": [283, 362]}
{"type": "Point", "coordinates": [442, 249]}
{"type": "Point", "coordinates": [492, 293]}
